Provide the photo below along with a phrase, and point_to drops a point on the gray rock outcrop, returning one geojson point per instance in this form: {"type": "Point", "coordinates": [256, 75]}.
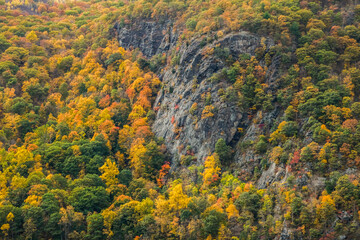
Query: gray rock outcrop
{"type": "Point", "coordinates": [150, 37]}
{"type": "Point", "coordinates": [189, 82]}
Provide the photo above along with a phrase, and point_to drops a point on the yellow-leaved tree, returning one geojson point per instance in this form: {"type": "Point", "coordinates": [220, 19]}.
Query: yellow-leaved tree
{"type": "Point", "coordinates": [168, 211]}
{"type": "Point", "coordinates": [212, 171]}
{"type": "Point", "coordinates": [325, 211]}
{"type": "Point", "coordinates": [109, 173]}
{"type": "Point", "coordinates": [137, 152]}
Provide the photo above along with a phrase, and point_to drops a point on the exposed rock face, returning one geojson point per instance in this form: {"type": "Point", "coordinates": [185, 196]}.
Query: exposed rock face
{"type": "Point", "coordinates": [247, 159]}
{"type": "Point", "coordinates": [190, 82]}
{"type": "Point", "coordinates": [150, 37]}
{"type": "Point", "coordinates": [270, 176]}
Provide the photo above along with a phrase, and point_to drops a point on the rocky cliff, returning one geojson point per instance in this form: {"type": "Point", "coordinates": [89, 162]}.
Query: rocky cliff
{"type": "Point", "coordinates": [189, 87]}
{"type": "Point", "coordinates": [150, 37]}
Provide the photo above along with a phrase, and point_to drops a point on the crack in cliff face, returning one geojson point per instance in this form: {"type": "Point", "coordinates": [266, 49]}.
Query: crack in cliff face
{"type": "Point", "coordinates": [188, 82]}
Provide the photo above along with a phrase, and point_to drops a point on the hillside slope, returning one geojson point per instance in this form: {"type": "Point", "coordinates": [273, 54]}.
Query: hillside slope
{"type": "Point", "coordinates": [173, 119]}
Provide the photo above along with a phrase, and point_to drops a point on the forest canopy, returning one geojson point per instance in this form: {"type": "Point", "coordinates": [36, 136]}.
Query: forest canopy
{"type": "Point", "coordinates": [79, 159]}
